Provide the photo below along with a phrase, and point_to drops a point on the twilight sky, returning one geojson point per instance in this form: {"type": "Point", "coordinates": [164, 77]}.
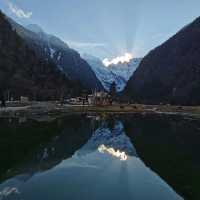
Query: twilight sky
{"type": "Point", "coordinates": [106, 28]}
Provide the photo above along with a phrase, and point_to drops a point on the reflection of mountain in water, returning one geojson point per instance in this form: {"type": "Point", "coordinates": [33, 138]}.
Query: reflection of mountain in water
{"type": "Point", "coordinates": [70, 134]}
{"type": "Point", "coordinates": [110, 137]}
{"type": "Point", "coordinates": [94, 173]}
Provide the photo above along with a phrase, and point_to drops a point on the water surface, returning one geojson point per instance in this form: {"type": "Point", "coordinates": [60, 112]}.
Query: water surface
{"type": "Point", "coordinates": [97, 158]}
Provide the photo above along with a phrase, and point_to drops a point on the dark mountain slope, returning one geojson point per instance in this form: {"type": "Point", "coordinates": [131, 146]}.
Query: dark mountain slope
{"type": "Point", "coordinates": [51, 48]}
{"type": "Point", "coordinates": [171, 72]}
{"type": "Point", "coordinates": [22, 73]}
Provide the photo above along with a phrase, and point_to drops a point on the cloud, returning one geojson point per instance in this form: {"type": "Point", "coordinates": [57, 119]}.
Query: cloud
{"type": "Point", "coordinates": [19, 12]}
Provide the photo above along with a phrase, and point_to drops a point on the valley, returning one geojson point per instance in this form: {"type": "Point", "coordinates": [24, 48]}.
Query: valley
{"type": "Point", "coordinates": [99, 100]}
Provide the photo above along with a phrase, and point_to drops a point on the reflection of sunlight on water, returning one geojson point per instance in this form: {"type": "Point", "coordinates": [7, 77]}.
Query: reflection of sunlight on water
{"type": "Point", "coordinates": [122, 155]}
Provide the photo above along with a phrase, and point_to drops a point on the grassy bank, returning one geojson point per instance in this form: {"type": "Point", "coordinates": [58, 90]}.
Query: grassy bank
{"type": "Point", "coordinates": [52, 109]}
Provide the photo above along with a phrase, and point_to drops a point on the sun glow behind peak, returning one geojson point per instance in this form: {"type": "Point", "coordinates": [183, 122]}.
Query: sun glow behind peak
{"type": "Point", "coordinates": [120, 59]}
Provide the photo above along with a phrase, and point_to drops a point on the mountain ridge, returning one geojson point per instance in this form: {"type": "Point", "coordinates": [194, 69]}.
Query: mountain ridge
{"type": "Point", "coordinates": [51, 48]}
{"type": "Point", "coordinates": [23, 73]}
{"type": "Point", "coordinates": [170, 73]}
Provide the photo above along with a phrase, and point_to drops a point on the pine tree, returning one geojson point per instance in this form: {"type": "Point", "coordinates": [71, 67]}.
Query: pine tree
{"type": "Point", "coordinates": [113, 90]}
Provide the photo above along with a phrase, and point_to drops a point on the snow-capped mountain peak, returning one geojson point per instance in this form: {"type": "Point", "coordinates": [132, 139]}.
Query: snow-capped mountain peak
{"type": "Point", "coordinates": [117, 60]}
{"type": "Point", "coordinates": [119, 73]}
{"type": "Point", "coordinates": [125, 69]}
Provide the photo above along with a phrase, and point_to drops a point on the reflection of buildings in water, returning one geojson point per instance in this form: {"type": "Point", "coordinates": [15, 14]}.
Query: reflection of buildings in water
{"type": "Point", "coordinates": [22, 120]}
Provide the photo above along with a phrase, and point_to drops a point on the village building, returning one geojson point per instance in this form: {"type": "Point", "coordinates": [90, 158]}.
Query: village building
{"type": "Point", "coordinates": [76, 101]}
{"type": "Point", "coordinates": [97, 98]}
{"type": "Point", "coordinates": [24, 99]}
{"type": "Point", "coordinates": [100, 99]}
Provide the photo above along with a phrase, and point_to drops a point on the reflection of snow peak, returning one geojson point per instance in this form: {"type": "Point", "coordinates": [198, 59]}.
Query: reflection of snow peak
{"type": "Point", "coordinates": [114, 138]}
{"type": "Point", "coordinates": [118, 154]}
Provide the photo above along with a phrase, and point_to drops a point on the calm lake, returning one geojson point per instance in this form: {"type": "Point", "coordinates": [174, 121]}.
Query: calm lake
{"type": "Point", "coordinates": [95, 157]}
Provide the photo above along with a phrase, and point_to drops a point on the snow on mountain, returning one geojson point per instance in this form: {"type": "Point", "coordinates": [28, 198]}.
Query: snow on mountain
{"type": "Point", "coordinates": [45, 37]}
{"type": "Point", "coordinates": [103, 73]}
{"type": "Point", "coordinates": [34, 28]}
{"type": "Point", "coordinates": [125, 70]}
{"type": "Point", "coordinates": [52, 49]}
{"type": "Point", "coordinates": [109, 137]}
{"type": "Point", "coordinates": [119, 73]}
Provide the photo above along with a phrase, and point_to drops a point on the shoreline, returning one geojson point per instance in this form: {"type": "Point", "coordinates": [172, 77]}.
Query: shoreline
{"type": "Point", "coordinates": [38, 110]}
